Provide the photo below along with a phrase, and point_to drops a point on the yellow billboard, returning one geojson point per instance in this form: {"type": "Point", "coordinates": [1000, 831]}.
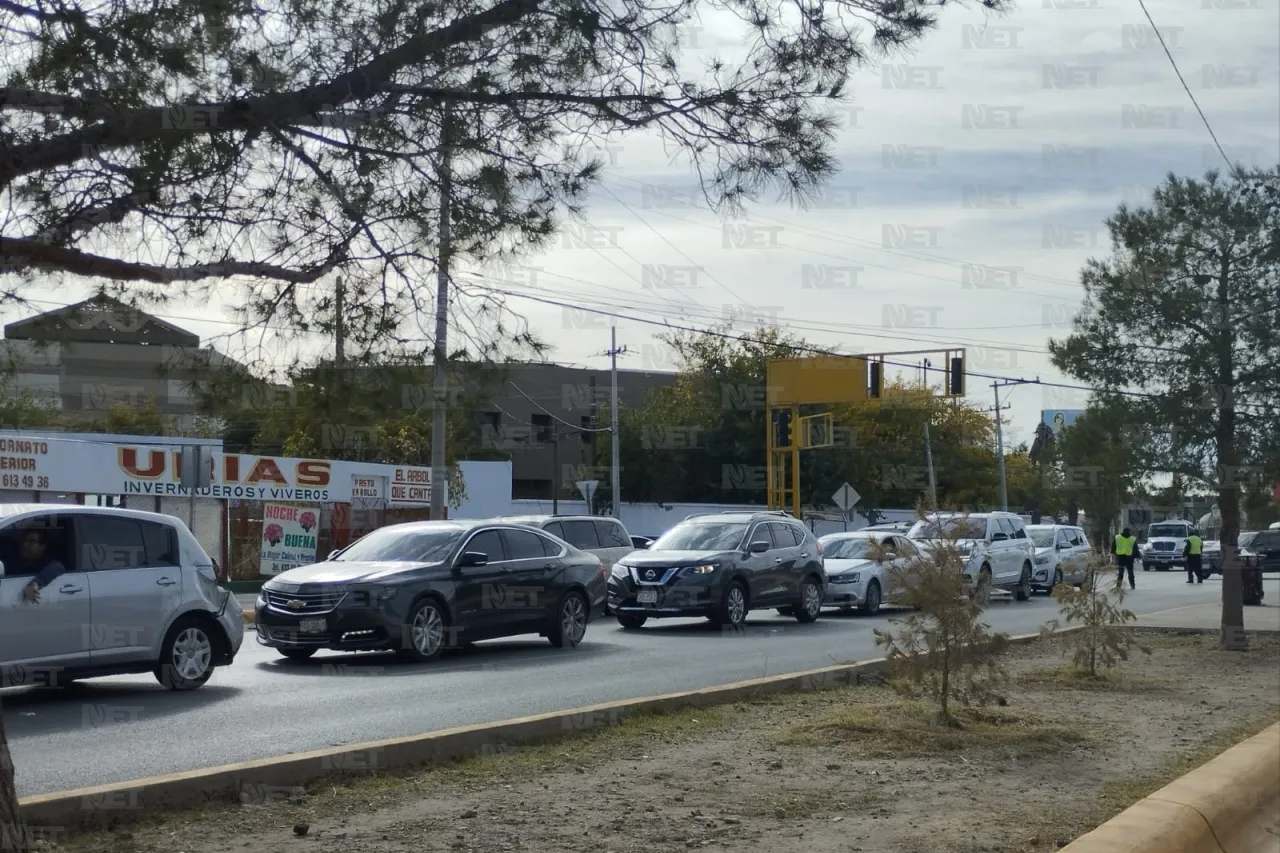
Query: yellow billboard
{"type": "Point", "coordinates": [815, 380]}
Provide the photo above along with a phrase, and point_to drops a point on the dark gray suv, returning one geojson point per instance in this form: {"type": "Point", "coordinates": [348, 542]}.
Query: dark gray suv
{"type": "Point", "coordinates": [721, 567]}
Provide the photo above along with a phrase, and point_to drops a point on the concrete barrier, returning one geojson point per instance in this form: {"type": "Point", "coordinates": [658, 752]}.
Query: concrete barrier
{"type": "Point", "coordinates": [1227, 805]}
{"type": "Point", "coordinates": [103, 805]}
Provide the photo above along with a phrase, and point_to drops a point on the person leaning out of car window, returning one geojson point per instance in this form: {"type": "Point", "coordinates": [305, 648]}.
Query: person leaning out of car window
{"type": "Point", "coordinates": [34, 558]}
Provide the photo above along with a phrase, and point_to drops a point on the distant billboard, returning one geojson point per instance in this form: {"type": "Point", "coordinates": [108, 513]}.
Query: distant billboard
{"type": "Point", "coordinates": [1057, 419]}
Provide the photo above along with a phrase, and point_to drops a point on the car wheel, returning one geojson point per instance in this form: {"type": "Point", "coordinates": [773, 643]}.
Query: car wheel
{"type": "Point", "coordinates": [810, 601]}
{"type": "Point", "coordinates": [1022, 592]}
{"type": "Point", "coordinates": [425, 630]}
{"type": "Point", "coordinates": [873, 600]}
{"type": "Point", "coordinates": [570, 625]}
{"type": "Point", "coordinates": [186, 656]}
{"type": "Point", "coordinates": [733, 607]}
{"type": "Point", "coordinates": [297, 652]}
{"type": "Point", "coordinates": [631, 621]}
{"type": "Point", "coordinates": [981, 592]}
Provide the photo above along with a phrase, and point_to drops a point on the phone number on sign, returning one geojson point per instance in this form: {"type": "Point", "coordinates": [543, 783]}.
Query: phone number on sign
{"type": "Point", "coordinates": [14, 481]}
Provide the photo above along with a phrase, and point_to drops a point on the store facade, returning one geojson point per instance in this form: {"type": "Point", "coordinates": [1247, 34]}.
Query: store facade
{"type": "Point", "coordinates": [342, 498]}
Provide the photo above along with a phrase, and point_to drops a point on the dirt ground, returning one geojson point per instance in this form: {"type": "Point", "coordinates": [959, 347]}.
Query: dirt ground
{"type": "Point", "coordinates": [846, 770]}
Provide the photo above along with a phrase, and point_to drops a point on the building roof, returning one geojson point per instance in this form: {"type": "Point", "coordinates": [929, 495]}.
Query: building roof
{"type": "Point", "coordinates": [100, 319]}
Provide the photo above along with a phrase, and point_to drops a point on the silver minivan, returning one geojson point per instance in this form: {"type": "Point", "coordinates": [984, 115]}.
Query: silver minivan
{"type": "Point", "coordinates": [92, 591]}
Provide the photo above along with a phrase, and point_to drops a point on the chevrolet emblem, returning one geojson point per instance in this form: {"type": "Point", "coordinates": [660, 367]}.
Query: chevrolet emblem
{"type": "Point", "coordinates": [294, 604]}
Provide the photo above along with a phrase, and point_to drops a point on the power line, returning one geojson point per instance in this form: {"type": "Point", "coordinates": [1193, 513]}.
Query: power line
{"type": "Point", "coordinates": [801, 347]}
{"type": "Point", "coordinates": [1187, 89]}
{"type": "Point", "coordinates": [553, 415]}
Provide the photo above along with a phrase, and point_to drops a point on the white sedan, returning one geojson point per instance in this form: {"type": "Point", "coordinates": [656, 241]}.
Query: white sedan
{"type": "Point", "coordinates": [855, 578]}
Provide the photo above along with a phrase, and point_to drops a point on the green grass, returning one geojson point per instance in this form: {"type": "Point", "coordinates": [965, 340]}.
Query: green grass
{"type": "Point", "coordinates": [909, 730]}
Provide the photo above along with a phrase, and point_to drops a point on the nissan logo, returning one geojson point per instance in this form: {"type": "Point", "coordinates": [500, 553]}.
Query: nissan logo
{"type": "Point", "coordinates": [650, 575]}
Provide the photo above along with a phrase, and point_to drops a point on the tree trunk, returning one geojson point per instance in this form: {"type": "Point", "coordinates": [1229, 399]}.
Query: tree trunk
{"type": "Point", "coordinates": [1232, 637]}
{"type": "Point", "coordinates": [1073, 513]}
{"type": "Point", "coordinates": [13, 835]}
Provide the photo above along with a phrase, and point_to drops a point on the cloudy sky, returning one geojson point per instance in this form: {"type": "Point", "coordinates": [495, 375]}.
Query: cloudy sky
{"type": "Point", "coordinates": [976, 175]}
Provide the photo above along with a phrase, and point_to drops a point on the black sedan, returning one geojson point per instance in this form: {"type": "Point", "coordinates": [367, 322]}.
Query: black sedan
{"type": "Point", "coordinates": [422, 587]}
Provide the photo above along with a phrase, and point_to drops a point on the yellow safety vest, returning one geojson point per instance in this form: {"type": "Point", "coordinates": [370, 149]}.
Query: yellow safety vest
{"type": "Point", "coordinates": [1195, 543]}
{"type": "Point", "coordinates": [1124, 545]}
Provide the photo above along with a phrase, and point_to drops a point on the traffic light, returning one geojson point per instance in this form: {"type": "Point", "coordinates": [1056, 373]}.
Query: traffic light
{"type": "Point", "coordinates": [877, 379]}
{"type": "Point", "coordinates": [782, 429]}
{"type": "Point", "coordinates": [955, 378]}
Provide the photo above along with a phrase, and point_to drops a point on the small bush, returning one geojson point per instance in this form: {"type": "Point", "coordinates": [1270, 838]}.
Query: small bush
{"type": "Point", "coordinates": [942, 651]}
{"type": "Point", "coordinates": [1104, 640]}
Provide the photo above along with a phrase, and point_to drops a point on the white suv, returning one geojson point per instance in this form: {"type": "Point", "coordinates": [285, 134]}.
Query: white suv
{"type": "Point", "coordinates": [996, 549]}
{"type": "Point", "coordinates": [90, 591]}
{"type": "Point", "coordinates": [1062, 555]}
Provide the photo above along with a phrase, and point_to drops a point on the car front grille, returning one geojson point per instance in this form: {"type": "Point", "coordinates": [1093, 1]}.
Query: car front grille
{"type": "Point", "coordinates": [305, 603]}
{"type": "Point", "coordinates": [653, 576]}
{"type": "Point", "coordinates": [1162, 546]}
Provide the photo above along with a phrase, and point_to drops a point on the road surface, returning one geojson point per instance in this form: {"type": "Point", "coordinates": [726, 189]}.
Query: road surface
{"type": "Point", "coordinates": [127, 727]}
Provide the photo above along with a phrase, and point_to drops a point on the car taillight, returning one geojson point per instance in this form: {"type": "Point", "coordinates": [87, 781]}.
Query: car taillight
{"type": "Point", "coordinates": [819, 547]}
{"type": "Point", "coordinates": [603, 569]}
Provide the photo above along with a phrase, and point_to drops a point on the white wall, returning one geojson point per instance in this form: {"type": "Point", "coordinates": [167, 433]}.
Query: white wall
{"type": "Point", "coordinates": [488, 487]}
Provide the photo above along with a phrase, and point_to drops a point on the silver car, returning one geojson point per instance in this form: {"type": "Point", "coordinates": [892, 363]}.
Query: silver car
{"type": "Point", "coordinates": [92, 591]}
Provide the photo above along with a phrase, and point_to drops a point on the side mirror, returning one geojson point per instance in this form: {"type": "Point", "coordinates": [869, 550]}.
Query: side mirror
{"type": "Point", "coordinates": [759, 547]}
{"type": "Point", "coordinates": [473, 558]}
{"type": "Point", "coordinates": [891, 555]}
{"type": "Point", "coordinates": [999, 537]}
{"type": "Point", "coordinates": [333, 554]}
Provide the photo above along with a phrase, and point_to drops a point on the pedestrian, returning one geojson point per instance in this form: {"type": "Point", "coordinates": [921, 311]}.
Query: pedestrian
{"type": "Point", "coordinates": [1192, 552]}
{"type": "Point", "coordinates": [1122, 549]}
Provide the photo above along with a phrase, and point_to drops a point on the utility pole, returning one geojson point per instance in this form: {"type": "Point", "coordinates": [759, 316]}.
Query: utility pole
{"type": "Point", "coordinates": [996, 386]}
{"type": "Point", "coordinates": [615, 474]}
{"type": "Point", "coordinates": [1004, 489]}
{"type": "Point", "coordinates": [555, 472]}
{"type": "Point", "coordinates": [339, 325]}
{"type": "Point", "coordinates": [440, 379]}
{"type": "Point", "coordinates": [928, 459]}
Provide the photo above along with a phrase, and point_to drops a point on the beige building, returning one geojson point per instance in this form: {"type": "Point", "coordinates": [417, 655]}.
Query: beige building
{"type": "Point", "coordinates": [85, 357]}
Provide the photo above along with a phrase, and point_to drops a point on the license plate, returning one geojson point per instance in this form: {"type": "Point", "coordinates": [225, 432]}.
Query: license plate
{"type": "Point", "coordinates": [312, 626]}
{"type": "Point", "coordinates": [647, 596]}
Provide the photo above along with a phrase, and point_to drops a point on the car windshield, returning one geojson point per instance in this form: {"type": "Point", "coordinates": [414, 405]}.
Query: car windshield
{"type": "Point", "coordinates": [401, 546]}
{"type": "Point", "coordinates": [1245, 540]}
{"type": "Point", "coordinates": [953, 527]}
{"type": "Point", "coordinates": [855, 548]}
{"type": "Point", "coordinates": [714, 536]}
{"type": "Point", "coordinates": [1167, 530]}
{"type": "Point", "coordinates": [1041, 537]}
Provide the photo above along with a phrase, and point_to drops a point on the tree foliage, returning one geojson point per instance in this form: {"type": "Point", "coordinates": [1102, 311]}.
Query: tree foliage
{"type": "Point", "coordinates": [1097, 608]}
{"type": "Point", "coordinates": [287, 144]}
{"type": "Point", "coordinates": [942, 650]}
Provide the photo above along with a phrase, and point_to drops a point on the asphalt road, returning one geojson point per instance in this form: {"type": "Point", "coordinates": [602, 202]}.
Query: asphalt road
{"type": "Point", "coordinates": [127, 727]}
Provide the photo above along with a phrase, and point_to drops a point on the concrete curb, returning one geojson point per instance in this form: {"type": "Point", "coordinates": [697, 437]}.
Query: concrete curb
{"type": "Point", "coordinates": [264, 779]}
{"type": "Point", "coordinates": [1224, 806]}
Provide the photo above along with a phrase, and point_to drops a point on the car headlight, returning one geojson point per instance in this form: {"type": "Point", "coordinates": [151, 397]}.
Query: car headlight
{"type": "Point", "coordinates": [621, 571]}
{"type": "Point", "coordinates": [850, 578]}
{"type": "Point", "coordinates": [371, 596]}
{"type": "Point", "coordinates": [1042, 561]}
{"type": "Point", "coordinates": [704, 569]}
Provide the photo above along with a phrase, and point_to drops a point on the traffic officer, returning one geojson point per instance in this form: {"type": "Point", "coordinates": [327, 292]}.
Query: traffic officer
{"type": "Point", "coordinates": [1192, 551]}
{"type": "Point", "coordinates": [1122, 549]}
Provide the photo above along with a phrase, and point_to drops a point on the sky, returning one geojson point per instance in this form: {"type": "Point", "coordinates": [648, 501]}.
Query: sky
{"type": "Point", "coordinates": [976, 175]}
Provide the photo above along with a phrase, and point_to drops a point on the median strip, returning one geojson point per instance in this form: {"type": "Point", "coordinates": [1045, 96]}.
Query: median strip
{"type": "Point", "coordinates": [789, 772]}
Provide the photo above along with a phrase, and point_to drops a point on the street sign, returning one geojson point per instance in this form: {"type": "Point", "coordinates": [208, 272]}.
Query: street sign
{"type": "Point", "coordinates": [588, 490]}
{"type": "Point", "coordinates": [846, 497]}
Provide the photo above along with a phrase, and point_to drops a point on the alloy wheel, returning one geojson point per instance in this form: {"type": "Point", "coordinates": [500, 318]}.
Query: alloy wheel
{"type": "Point", "coordinates": [427, 630]}
{"type": "Point", "coordinates": [573, 619]}
{"type": "Point", "coordinates": [812, 598]}
{"type": "Point", "coordinates": [737, 606]}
